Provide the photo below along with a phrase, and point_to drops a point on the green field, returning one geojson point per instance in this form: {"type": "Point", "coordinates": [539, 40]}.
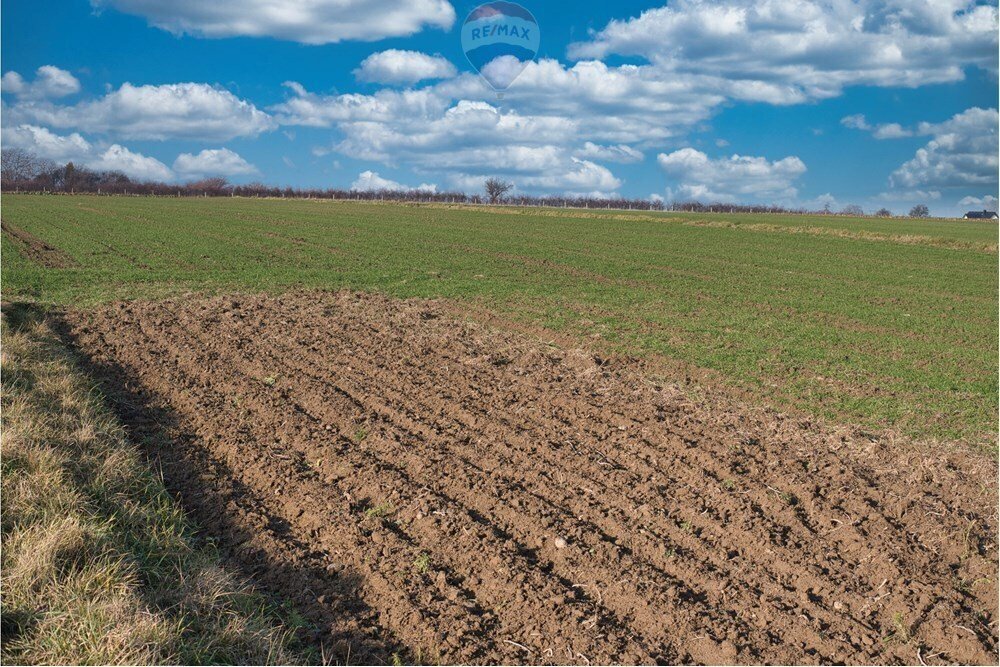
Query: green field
{"type": "Point", "coordinates": [882, 323]}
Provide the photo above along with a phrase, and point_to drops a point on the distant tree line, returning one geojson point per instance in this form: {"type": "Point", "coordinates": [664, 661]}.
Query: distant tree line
{"type": "Point", "coordinates": [21, 171]}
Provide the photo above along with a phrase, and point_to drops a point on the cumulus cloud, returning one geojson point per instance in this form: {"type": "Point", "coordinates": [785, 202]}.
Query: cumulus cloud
{"type": "Point", "coordinates": [306, 21]}
{"type": "Point", "coordinates": [448, 127]}
{"type": "Point", "coordinates": [561, 126]}
{"type": "Point", "coordinates": [789, 51]}
{"type": "Point", "coordinates": [619, 153]}
{"type": "Point", "coordinates": [74, 148]}
{"type": "Point", "coordinates": [962, 152]}
{"type": "Point", "coordinates": [856, 122]}
{"type": "Point", "coordinates": [882, 131]}
{"type": "Point", "coordinates": [473, 140]}
{"type": "Point", "coordinates": [400, 67]}
{"type": "Point", "coordinates": [891, 131]}
{"type": "Point", "coordinates": [44, 143]}
{"type": "Point", "coordinates": [984, 202]}
{"type": "Point", "coordinates": [384, 106]}
{"type": "Point", "coordinates": [623, 104]}
{"type": "Point", "coordinates": [212, 162]}
{"type": "Point", "coordinates": [463, 142]}
{"type": "Point", "coordinates": [738, 177]}
{"type": "Point", "coordinates": [639, 106]}
{"type": "Point", "coordinates": [576, 177]}
{"type": "Point", "coordinates": [135, 165]}
{"type": "Point", "coordinates": [626, 104]}
{"type": "Point", "coordinates": [370, 181]}
{"type": "Point", "coordinates": [557, 119]}
{"type": "Point", "coordinates": [169, 111]}
{"type": "Point", "coordinates": [50, 82]}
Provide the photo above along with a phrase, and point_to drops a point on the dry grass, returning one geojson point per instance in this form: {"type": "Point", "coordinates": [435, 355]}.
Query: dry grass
{"type": "Point", "coordinates": [98, 562]}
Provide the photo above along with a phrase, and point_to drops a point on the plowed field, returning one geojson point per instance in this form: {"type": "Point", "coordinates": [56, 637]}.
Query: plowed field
{"type": "Point", "coordinates": [447, 491]}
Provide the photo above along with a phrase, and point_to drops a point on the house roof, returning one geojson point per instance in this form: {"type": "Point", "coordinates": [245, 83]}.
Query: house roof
{"type": "Point", "coordinates": [981, 214]}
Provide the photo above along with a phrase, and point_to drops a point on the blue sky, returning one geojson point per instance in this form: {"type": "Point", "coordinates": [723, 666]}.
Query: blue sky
{"type": "Point", "coordinates": [869, 102]}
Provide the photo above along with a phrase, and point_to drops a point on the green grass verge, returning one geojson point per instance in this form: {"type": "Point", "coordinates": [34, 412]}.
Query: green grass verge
{"type": "Point", "coordinates": [883, 323]}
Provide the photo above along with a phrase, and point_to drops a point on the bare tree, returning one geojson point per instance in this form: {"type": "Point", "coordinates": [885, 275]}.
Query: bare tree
{"type": "Point", "coordinates": [214, 186]}
{"type": "Point", "coordinates": [920, 211]}
{"type": "Point", "coordinates": [883, 213]}
{"type": "Point", "coordinates": [853, 209]}
{"type": "Point", "coordinates": [17, 164]}
{"type": "Point", "coordinates": [496, 189]}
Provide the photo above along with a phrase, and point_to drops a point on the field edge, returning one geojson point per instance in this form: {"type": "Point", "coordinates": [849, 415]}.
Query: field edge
{"type": "Point", "coordinates": [100, 564]}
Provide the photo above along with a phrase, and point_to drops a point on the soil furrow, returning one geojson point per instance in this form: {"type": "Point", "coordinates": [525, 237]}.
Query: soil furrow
{"type": "Point", "coordinates": [644, 572]}
{"type": "Point", "coordinates": [500, 501]}
{"type": "Point", "coordinates": [382, 383]}
{"type": "Point", "coordinates": [271, 416]}
{"type": "Point", "coordinates": [632, 597]}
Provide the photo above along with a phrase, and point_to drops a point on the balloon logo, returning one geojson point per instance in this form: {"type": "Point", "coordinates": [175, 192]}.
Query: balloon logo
{"type": "Point", "coordinates": [500, 39]}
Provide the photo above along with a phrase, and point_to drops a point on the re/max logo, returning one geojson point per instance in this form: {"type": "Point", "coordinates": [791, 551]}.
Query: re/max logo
{"type": "Point", "coordinates": [500, 29]}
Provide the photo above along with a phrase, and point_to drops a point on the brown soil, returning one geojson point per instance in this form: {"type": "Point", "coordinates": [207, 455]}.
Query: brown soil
{"type": "Point", "coordinates": [36, 249]}
{"type": "Point", "coordinates": [451, 492]}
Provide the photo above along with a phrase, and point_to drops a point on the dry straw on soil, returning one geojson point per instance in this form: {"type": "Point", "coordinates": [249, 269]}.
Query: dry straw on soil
{"type": "Point", "coordinates": [98, 561]}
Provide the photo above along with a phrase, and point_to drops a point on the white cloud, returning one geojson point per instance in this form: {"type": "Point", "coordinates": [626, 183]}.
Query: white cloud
{"type": "Point", "coordinates": [891, 131]}
{"type": "Point", "coordinates": [908, 196]}
{"type": "Point", "coordinates": [474, 140]}
{"type": "Point", "coordinates": [699, 56]}
{"type": "Point", "coordinates": [134, 165]}
{"type": "Point", "coordinates": [370, 181]}
{"type": "Point", "coordinates": [169, 111]}
{"type": "Point", "coordinates": [74, 148]}
{"type": "Point", "coordinates": [786, 51]}
{"type": "Point", "coordinates": [399, 67]}
{"type": "Point", "coordinates": [619, 153]}
{"type": "Point", "coordinates": [626, 104]}
{"type": "Point", "coordinates": [45, 143]}
{"type": "Point", "coordinates": [50, 82]}
{"type": "Point", "coordinates": [736, 178]}
{"type": "Point", "coordinates": [962, 152]}
{"type": "Point", "coordinates": [463, 142]}
{"type": "Point", "coordinates": [459, 136]}
{"type": "Point", "coordinates": [560, 127]}
{"type": "Point", "coordinates": [985, 202]}
{"type": "Point", "coordinates": [448, 128]}
{"type": "Point", "coordinates": [579, 176]}
{"type": "Point", "coordinates": [306, 21]}
{"type": "Point", "coordinates": [883, 131]}
{"type": "Point", "coordinates": [385, 106]}
{"type": "Point", "coordinates": [825, 200]}
{"type": "Point", "coordinates": [856, 122]}
{"type": "Point", "coordinates": [212, 162]}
